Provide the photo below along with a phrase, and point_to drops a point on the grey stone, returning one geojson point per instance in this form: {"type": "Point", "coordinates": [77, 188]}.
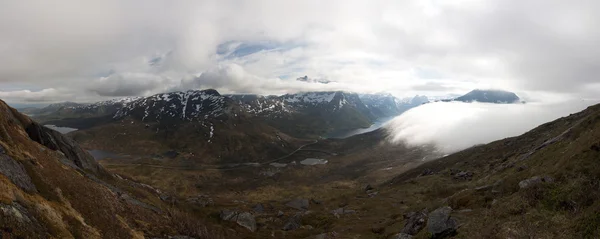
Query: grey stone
{"type": "Point", "coordinates": [321, 236]}
{"type": "Point", "coordinates": [293, 223]}
{"type": "Point", "coordinates": [463, 175]}
{"type": "Point", "coordinates": [402, 236]}
{"type": "Point", "coordinates": [244, 219]}
{"type": "Point", "coordinates": [415, 221]}
{"type": "Point", "coordinates": [527, 183]}
{"type": "Point", "coordinates": [280, 214]}
{"type": "Point", "coordinates": [259, 208]}
{"type": "Point", "coordinates": [299, 203]}
{"type": "Point", "coordinates": [440, 224]}
{"type": "Point", "coordinates": [247, 220]}
{"type": "Point", "coordinates": [341, 211]}
{"type": "Point", "coordinates": [228, 215]}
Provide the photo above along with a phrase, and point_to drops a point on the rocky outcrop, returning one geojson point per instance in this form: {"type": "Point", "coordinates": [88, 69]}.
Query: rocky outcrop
{"type": "Point", "coordinates": [56, 141]}
{"type": "Point", "coordinates": [440, 224]}
{"type": "Point", "coordinates": [15, 171]}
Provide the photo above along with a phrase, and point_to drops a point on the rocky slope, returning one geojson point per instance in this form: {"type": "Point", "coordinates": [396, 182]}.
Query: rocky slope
{"type": "Point", "coordinates": [51, 188]}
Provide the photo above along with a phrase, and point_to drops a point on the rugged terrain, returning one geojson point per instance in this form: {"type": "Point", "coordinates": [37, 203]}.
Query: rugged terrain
{"type": "Point", "coordinates": [212, 128]}
{"type": "Point", "coordinates": [542, 184]}
{"type": "Point", "coordinates": [51, 188]}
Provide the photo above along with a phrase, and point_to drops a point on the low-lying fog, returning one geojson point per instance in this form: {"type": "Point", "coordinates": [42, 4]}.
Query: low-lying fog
{"type": "Point", "coordinates": [453, 126]}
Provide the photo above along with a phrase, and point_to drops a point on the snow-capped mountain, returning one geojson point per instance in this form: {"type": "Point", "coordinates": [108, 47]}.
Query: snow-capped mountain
{"type": "Point", "coordinates": [301, 114]}
{"type": "Point", "coordinates": [309, 112]}
{"type": "Point", "coordinates": [189, 105]}
{"type": "Point", "coordinates": [385, 105]}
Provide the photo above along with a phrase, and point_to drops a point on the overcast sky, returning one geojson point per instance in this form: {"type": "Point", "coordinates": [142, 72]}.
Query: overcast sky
{"type": "Point", "coordinates": [90, 50]}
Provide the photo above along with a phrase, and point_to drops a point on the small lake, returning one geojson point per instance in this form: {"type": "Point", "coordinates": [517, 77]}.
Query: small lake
{"type": "Point", "coordinates": [313, 161]}
{"type": "Point", "coordinates": [348, 133]}
{"type": "Point", "coordinates": [62, 130]}
{"type": "Point", "coordinates": [101, 154]}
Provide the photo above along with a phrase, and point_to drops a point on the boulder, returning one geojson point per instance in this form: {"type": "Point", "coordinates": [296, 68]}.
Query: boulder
{"type": "Point", "coordinates": [402, 236]}
{"type": "Point", "coordinates": [244, 219]}
{"type": "Point", "coordinates": [259, 208]}
{"type": "Point", "coordinates": [293, 223]}
{"type": "Point", "coordinates": [527, 183]}
{"type": "Point", "coordinates": [299, 204]}
{"type": "Point", "coordinates": [247, 220]}
{"type": "Point", "coordinates": [415, 221]}
{"type": "Point", "coordinates": [463, 175]}
{"type": "Point", "coordinates": [341, 211]}
{"type": "Point", "coordinates": [440, 224]}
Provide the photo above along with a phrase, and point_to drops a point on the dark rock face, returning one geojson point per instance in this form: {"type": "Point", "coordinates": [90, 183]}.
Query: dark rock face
{"type": "Point", "coordinates": [56, 141]}
{"type": "Point", "coordinates": [440, 224]}
{"type": "Point", "coordinates": [415, 221]}
{"type": "Point", "coordinates": [15, 171]}
{"type": "Point", "coordinates": [300, 204]}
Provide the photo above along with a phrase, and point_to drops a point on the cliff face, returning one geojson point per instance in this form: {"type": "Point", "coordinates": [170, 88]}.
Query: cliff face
{"type": "Point", "coordinates": [51, 188]}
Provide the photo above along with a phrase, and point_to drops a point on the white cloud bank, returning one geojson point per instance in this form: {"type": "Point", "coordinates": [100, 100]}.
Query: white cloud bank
{"type": "Point", "coordinates": [453, 126]}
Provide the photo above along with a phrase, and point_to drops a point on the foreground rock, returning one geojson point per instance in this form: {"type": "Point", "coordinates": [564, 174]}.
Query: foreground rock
{"type": "Point", "coordinates": [440, 224]}
{"type": "Point", "coordinates": [244, 219]}
{"type": "Point", "coordinates": [402, 236]}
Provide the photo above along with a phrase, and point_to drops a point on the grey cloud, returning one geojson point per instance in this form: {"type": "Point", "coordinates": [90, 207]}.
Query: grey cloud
{"type": "Point", "coordinates": [523, 46]}
{"type": "Point", "coordinates": [127, 84]}
{"type": "Point", "coordinates": [433, 86]}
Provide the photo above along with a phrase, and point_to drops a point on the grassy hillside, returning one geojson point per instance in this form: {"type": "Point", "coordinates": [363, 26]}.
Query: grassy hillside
{"type": "Point", "coordinates": [49, 188]}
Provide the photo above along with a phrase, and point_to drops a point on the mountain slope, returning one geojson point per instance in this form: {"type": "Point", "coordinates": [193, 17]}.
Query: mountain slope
{"type": "Point", "coordinates": [200, 125]}
{"type": "Point", "coordinates": [51, 188]}
{"type": "Point", "coordinates": [542, 184]}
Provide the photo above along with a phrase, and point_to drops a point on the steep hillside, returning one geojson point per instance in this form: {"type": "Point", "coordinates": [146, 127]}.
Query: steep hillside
{"type": "Point", "coordinates": [51, 188]}
{"type": "Point", "coordinates": [542, 184]}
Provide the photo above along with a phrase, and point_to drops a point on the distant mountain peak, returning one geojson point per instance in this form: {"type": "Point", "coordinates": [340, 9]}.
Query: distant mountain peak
{"type": "Point", "coordinates": [309, 80]}
{"type": "Point", "coordinates": [489, 96]}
